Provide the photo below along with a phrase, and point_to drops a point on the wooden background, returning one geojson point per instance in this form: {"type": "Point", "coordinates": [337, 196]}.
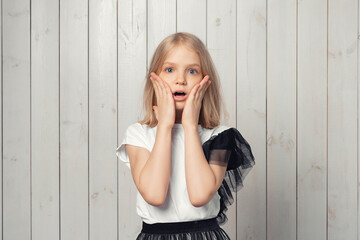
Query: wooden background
{"type": "Point", "coordinates": [72, 74]}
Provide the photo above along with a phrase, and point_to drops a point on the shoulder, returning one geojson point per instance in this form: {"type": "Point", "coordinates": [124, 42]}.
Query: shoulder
{"type": "Point", "coordinates": [216, 130]}
{"type": "Point", "coordinates": [224, 135]}
{"type": "Point", "coordinates": [138, 127]}
{"type": "Point", "coordinates": [220, 129]}
{"type": "Point", "coordinates": [230, 139]}
{"type": "Point", "coordinates": [134, 132]}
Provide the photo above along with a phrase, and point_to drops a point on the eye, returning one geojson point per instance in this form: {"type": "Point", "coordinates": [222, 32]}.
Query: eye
{"type": "Point", "coordinates": [167, 69]}
{"type": "Point", "coordinates": [193, 71]}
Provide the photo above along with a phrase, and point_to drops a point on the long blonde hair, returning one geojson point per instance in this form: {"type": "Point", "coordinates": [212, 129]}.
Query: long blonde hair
{"type": "Point", "coordinates": [212, 103]}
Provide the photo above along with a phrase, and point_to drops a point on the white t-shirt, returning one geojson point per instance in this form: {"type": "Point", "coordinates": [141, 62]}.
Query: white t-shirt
{"type": "Point", "coordinates": [177, 206]}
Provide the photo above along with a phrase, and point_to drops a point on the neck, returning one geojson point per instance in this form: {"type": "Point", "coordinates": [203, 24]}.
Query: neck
{"type": "Point", "coordinates": [178, 116]}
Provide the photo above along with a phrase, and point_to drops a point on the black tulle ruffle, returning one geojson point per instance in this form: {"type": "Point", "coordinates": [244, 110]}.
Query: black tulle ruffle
{"type": "Point", "coordinates": [189, 230]}
{"type": "Point", "coordinates": [217, 234]}
{"type": "Point", "coordinates": [229, 147]}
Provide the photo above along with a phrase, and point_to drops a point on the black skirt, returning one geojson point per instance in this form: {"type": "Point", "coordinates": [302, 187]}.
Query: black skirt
{"type": "Point", "coordinates": [207, 229]}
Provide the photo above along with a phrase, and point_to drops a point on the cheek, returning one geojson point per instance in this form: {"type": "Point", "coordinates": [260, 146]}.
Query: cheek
{"type": "Point", "coordinates": [196, 80]}
{"type": "Point", "coordinates": [164, 77]}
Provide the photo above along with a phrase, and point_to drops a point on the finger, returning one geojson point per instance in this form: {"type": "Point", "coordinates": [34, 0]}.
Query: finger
{"type": "Point", "coordinates": [153, 76]}
{"type": "Point", "coordinates": [204, 81]}
{"type": "Point", "coordinates": [194, 90]}
{"type": "Point", "coordinates": [167, 89]}
{"type": "Point", "coordinates": [160, 83]}
{"type": "Point", "coordinates": [160, 87]}
{"type": "Point", "coordinates": [201, 92]}
{"type": "Point", "coordinates": [156, 88]}
{"type": "Point", "coordinates": [200, 85]}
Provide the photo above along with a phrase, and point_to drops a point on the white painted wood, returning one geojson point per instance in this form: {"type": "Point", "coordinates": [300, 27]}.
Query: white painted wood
{"type": "Point", "coordinates": [281, 120]}
{"type": "Point", "coordinates": [251, 115]}
{"type": "Point", "coordinates": [161, 23]}
{"type": "Point", "coordinates": [342, 119]}
{"type": "Point", "coordinates": [74, 152]}
{"type": "Point", "coordinates": [221, 43]}
{"type": "Point", "coordinates": [358, 129]}
{"type": "Point", "coordinates": [312, 120]}
{"type": "Point", "coordinates": [191, 17]}
{"type": "Point", "coordinates": [45, 119]}
{"type": "Point", "coordinates": [308, 122]}
{"type": "Point", "coordinates": [132, 58]}
{"type": "Point", "coordinates": [102, 119]}
{"type": "Point", "coordinates": [1, 121]}
{"type": "Point", "coordinates": [16, 121]}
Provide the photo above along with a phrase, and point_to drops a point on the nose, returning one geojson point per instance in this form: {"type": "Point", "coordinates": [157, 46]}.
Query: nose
{"type": "Point", "coordinates": [181, 79]}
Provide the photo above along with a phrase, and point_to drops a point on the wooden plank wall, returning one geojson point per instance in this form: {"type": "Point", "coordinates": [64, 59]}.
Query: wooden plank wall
{"type": "Point", "coordinates": [72, 76]}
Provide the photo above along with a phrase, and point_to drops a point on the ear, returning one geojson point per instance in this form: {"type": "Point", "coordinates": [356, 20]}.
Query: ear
{"type": "Point", "coordinates": [155, 109]}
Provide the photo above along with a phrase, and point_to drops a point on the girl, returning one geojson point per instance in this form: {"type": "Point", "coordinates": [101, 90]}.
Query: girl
{"type": "Point", "coordinates": [183, 162]}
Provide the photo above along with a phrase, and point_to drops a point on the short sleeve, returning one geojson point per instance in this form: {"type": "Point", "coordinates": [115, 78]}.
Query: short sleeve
{"type": "Point", "coordinates": [134, 135]}
{"type": "Point", "coordinates": [230, 149]}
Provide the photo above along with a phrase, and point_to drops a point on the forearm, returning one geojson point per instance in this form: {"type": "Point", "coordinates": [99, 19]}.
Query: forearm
{"type": "Point", "coordinates": [200, 179]}
{"type": "Point", "coordinates": [155, 175]}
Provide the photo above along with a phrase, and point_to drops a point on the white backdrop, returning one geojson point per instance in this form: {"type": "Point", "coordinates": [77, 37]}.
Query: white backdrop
{"type": "Point", "coordinates": [72, 75]}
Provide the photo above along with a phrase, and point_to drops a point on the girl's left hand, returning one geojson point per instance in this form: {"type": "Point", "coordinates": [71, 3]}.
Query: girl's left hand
{"type": "Point", "coordinates": [191, 111]}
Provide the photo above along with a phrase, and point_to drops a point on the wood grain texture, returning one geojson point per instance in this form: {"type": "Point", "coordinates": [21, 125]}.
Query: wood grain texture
{"type": "Point", "coordinates": [74, 120]}
{"type": "Point", "coordinates": [16, 126]}
{"type": "Point", "coordinates": [45, 119]}
{"type": "Point", "coordinates": [192, 19]}
{"type": "Point", "coordinates": [1, 119]}
{"type": "Point", "coordinates": [221, 43]}
{"type": "Point", "coordinates": [311, 120]}
{"type": "Point", "coordinates": [342, 119]}
{"type": "Point", "coordinates": [72, 79]}
{"type": "Point", "coordinates": [281, 120]}
{"type": "Point", "coordinates": [103, 197]}
{"type": "Point", "coordinates": [161, 22]}
{"type": "Point", "coordinates": [251, 114]}
{"type": "Point", "coordinates": [132, 58]}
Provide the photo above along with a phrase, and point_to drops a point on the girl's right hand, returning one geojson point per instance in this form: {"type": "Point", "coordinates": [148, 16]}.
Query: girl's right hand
{"type": "Point", "coordinates": [165, 111]}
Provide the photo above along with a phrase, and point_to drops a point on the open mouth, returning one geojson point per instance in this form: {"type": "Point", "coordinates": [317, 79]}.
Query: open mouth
{"type": "Point", "coordinates": [179, 96]}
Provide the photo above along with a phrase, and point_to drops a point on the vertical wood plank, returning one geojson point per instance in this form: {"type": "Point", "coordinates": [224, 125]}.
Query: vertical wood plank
{"type": "Point", "coordinates": [102, 119]}
{"type": "Point", "coordinates": [74, 120]}
{"type": "Point", "coordinates": [192, 19]}
{"type": "Point", "coordinates": [312, 120]}
{"type": "Point", "coordinates": [1, 120]}
{"type": "Point", "coordinates": [221, 43]}
{"type": "Point", "coordinates": [16, 120]}
{"type": "Point", "coordinates": [342, 119]}
{"type": "Point", "coordinates": [161, 23]}
{"type": "Point", "coordinates": [281, 120]}
{"type": "Point", "coordinates": [131, 74]}
{"type": "Point", "coordinates": [358, 115]}
{"type": "Point", "coordinates": [251, 114]}
{"type": "Point", "coordinates": [45, 118]}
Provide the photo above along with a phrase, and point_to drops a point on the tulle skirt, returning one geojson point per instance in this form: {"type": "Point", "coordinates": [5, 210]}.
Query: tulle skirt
{"type": "Point", "coordinates": [207, 229]}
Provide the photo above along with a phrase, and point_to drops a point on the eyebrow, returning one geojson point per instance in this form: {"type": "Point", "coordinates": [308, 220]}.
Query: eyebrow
{"type": "Point", "coordinates": [193, 64]}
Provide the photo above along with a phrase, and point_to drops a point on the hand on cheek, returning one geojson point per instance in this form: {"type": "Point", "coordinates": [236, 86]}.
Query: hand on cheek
{"type": "Point", "coordinates": [165, 109]}
{"type": "Point", "coordinates": [192, 107]}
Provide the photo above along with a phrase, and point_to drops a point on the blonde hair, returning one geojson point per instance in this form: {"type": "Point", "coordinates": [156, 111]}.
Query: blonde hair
{"type": "Point", "coordinates": [212, 103]}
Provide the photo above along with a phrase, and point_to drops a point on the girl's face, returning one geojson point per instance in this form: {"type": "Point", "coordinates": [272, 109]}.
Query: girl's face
{"type": "Point", "coordinates": [181, 71]}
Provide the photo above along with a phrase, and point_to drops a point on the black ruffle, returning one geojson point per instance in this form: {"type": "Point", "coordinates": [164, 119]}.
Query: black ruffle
{"type": "Point", "coordinates": [236, 152]}
{"type": "Point", "coordinates": [199, 235]}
